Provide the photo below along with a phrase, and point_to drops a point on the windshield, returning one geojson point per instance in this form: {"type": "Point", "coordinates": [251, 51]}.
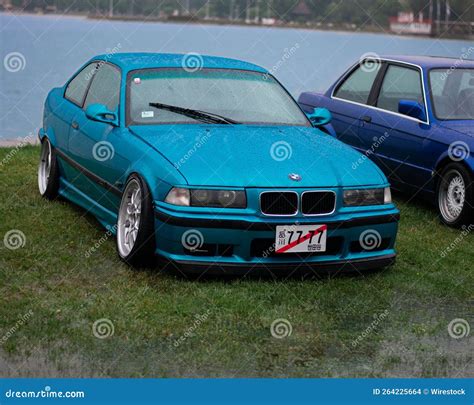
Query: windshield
{"type": "Point", "coordinates": [452, 92]}
{"type": "Point", "coordinates": [241, 96]}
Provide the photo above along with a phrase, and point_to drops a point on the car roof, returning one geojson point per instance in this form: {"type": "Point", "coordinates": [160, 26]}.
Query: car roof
{"type": "Point", "coordinates": [134, 61]}
{"type": "Point", "coordinates": [428, 62]}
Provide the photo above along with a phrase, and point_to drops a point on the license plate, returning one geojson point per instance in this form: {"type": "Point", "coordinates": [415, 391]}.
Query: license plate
{"type": "Point", "coordinates": [300, 238]}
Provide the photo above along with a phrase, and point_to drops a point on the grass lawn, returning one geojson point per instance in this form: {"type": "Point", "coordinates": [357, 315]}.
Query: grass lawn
{"type": "Point", "coordinates": [54, 288]}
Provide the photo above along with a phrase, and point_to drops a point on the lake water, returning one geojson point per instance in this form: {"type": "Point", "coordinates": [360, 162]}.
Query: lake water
{"type": "Point", "coordinates": [51, 48]}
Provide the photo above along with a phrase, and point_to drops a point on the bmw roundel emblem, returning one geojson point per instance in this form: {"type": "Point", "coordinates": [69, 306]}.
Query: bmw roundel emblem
{"type": "Point", "coordinates": [294, 176]}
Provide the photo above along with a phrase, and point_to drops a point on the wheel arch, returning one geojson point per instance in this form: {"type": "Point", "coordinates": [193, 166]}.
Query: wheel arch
{"type": "Point", "coordinates": [49, 134]}
{"type": "Point", "coordinates": [445, 160]}
{"type": "Point", "coordinates": [158, 188]}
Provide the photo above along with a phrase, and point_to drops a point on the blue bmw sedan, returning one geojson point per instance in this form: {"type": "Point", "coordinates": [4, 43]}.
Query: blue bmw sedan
{"type": "Point", "coordinates": [414, 116]}
{"type": "Point", "coordinates": [209, 162]}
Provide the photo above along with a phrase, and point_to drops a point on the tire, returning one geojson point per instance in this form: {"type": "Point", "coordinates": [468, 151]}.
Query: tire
{"type": "Point", "coordinates": [48, 171]}
{"type": "Point", "coordinates": [136, 247]}
{"type": "Point", "coordinates": [455, 195]}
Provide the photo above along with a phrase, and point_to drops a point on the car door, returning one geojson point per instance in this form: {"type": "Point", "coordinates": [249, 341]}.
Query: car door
{"type": "Point", "coordinates": [92, 143]}
{"type": "Point", "coordinates": [74, 96]}
{"type": "Point", "coordinates": [397, 140]}
{"type": "Point", "coordinates": [349, 102]}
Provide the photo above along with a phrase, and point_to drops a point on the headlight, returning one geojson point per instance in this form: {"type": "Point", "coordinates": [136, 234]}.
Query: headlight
{"type": "Point", "coordinates": [178, 196]}
{"type": "Point", "coordinates": [207, 198]}
{"type": "Point", "coordinates": [370, 196]}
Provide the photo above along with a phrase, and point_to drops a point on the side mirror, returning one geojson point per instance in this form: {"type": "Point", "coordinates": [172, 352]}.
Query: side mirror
{"type": "Point", "coordinates": [412, 109]}
{"type": "Point", "coordinates": [100, 112]}
{"type": "Point", "coordinates": [320, 117]}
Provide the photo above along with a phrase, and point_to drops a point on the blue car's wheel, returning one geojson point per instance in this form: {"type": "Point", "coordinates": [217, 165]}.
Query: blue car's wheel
{"type": "Point", "coordinates": [135, 224]}
{"type": "Point", "coordinates": [48, 171]}
{"type": "Point", "coordinates": [455, 195]}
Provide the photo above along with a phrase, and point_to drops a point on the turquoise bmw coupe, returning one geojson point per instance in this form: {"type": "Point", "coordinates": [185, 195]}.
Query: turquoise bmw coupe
{"type": "Point", "coordinates": [209, 163]}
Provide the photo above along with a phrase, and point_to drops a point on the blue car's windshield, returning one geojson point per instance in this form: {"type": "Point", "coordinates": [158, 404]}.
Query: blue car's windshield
{"type": "Point", "coordinates": [452, 92]}
{"type": "Point", "coordinates": [242, 96]}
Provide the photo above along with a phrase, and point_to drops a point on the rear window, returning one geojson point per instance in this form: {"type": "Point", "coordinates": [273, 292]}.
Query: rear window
{"type": "Point", "coordinates": [358, 85]}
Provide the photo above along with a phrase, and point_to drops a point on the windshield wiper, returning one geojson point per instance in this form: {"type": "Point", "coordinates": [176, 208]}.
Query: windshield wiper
{"type": "Point", "coordinates": [195, 114]}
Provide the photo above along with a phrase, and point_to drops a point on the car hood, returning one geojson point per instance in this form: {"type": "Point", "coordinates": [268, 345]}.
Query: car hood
{"type": "Point", "coordinates": [465, 127]}
{"type": "Point", "coordinates": [254, 156]}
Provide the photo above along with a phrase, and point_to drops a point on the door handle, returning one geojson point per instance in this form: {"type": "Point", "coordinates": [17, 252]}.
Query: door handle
{"type": "Point", "coordinates": [75, 125]}
{"type": "Point", "coordinates": [367, 118]}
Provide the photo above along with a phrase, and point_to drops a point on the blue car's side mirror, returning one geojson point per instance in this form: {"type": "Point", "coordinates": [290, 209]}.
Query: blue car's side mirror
{"type": "Point", "coordinates": [320, 117]}
{"type": "Point", "coordinates": [412, 109]}
{"type": "Point", "coordinates": [100, 112]}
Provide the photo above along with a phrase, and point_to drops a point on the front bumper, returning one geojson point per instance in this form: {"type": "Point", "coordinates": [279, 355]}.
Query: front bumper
{"type": "Point", "coordinates": [230, 242]}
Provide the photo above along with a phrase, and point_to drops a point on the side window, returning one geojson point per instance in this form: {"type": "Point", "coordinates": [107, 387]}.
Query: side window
{"type": "Point", "coordinates": [105, 88]}
{"type": "Point", "coordinates": [77, 87]}
{"type": "Point", "coordinates": [399, 83]}
{"type": "Point", "coordinates": [359, 83]}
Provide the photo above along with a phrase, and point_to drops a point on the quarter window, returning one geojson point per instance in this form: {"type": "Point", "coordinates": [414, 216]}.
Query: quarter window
{"type": "Point", "coordinates": [358, 85]}
{"type": "Point", "coordinates": [400, 83]}
{"type": "Point", "coordinates": [105, 88]}
{"type": "Point", "coordinates": [77, 87]}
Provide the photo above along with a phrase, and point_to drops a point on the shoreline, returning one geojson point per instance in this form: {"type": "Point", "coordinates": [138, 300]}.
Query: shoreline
{"type": "Point", "coordinates": [19, 142]}
{"type": "Point", "coordinates": [332, 27]}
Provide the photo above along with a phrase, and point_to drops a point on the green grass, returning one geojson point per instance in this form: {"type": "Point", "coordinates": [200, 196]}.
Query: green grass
{"type": "Point", "coordinates": [150, 310]}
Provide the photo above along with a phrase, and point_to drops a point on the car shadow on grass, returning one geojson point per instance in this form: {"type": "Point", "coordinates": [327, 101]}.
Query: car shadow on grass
{"type": "Point", "coordinates": [218, 275]}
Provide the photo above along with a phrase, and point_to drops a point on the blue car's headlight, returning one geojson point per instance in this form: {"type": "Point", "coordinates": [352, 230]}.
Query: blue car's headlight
{"type": "Point", "coordinates": [369, 196]}
{"type": "Point", "coordinates": [207, 198]}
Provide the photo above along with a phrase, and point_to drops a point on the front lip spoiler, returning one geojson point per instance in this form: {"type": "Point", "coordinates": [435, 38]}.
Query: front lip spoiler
{"type": "Point", "coordinates": [354, 265]}
{"type": "Point", "coordinates": [269, 226]}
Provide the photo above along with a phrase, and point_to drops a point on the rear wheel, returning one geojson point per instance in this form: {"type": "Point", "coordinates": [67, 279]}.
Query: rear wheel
{"type": "Point", "coordinates": [135, 224]}
{"type": "Point", "coordinates": [48, 171]}
{"type": "Point", "coordinates": [455, 195]}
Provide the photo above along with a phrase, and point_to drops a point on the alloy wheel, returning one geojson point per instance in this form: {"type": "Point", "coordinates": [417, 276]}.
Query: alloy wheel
{"type": "Point", "coordinates": [128, 223]}
{"type": "Point", "coordinates": [452, 195]}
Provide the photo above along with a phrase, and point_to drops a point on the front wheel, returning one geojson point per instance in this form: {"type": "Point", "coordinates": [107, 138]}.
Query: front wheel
{"type": "Point", "coordinates": [135, 224]}
{"type": "Point", "coordinates": [48, 171]}
{"type": "Point", "coordinates": [455, 195]}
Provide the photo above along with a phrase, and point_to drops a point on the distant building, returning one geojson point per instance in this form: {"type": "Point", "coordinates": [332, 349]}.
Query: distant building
{"type": "Point", "coordinates": [301, 11]}
{"type": "Point", "coordinates": [407, 23]}
{"type": "Point", "coordinates": [5, 5]}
